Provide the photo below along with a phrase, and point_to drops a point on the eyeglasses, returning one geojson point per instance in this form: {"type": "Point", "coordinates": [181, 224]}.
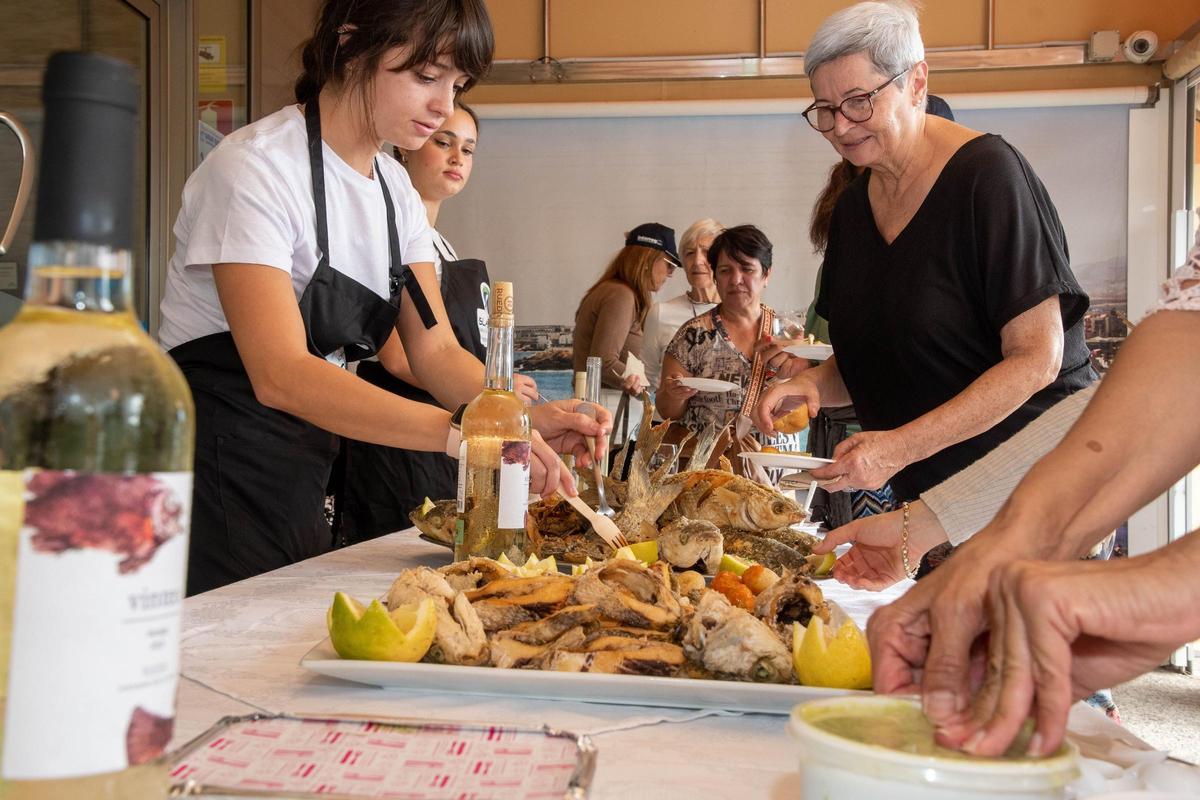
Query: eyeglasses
{"type": "Point", "coordinates": [855, 109]}
{"type": "Point", "coordinates": [671, 265]}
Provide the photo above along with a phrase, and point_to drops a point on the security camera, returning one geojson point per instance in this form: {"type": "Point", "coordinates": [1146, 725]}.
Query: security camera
{"type": "Point", "coordinates": [1140, 46]}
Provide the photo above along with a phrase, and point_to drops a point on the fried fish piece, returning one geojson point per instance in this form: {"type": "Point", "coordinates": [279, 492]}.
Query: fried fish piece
{"type": "Point", "coordinates": [686, 543]}
{"type": "Point", "coordinates": [733, 643]}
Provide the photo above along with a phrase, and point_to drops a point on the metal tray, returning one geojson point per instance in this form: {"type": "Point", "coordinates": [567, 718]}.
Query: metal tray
{"type": "Point", "coordinates": [351, 757]}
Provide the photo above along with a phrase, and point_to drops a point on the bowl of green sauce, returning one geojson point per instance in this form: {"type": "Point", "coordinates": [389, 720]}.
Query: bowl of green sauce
{"type": "Point", "coordinates": [876, 746]}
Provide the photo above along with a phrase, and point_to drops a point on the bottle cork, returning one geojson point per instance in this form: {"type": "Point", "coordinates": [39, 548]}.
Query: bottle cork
{"type": "Point", "coordinates": [502, 301]}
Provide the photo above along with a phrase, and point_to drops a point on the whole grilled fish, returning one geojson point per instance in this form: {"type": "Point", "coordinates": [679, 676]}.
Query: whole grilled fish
{"type": "Point", "coordinates": [769, 552]}
{"type": "Point", "coordinates": [730, 501]}
{"type": "Point", "coordinates": [438, 522]}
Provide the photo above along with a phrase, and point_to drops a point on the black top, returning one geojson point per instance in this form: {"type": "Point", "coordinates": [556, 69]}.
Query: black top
{"type": "Point", "coordinates": [913, 323]}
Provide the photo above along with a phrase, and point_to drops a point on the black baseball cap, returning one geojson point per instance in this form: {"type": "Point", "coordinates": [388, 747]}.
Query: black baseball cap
{"type": "Point", "coordinates": [655, 236]}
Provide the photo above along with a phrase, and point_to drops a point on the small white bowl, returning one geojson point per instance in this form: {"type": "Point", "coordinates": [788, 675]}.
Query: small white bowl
{"type": "Point", "coordinates": [832, 766]}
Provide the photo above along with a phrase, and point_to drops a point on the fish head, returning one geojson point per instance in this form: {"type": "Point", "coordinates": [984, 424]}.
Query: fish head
{"type": "Point", "coordinates": [766, 509]}
{"type": "Point", "coordinates": [437, 522]}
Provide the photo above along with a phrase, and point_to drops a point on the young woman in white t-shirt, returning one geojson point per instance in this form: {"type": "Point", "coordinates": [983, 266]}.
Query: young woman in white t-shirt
{"type": "Point", "coordinates": [300, 247]}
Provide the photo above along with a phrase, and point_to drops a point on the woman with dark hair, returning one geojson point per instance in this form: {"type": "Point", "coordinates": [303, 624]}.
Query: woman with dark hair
{"type": "Point", "coordinates": [721, 344]}
{"type": "Point", "coordinates": [299, 249]}
{"type": "Point", "coordinates": [608, 322]}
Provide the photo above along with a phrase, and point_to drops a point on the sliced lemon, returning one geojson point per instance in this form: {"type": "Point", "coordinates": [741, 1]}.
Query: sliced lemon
{"type": "Point", "coordinates": [531, 568]}
{"type": "Point", "coordinates": [838, 661]}
{"type": "Point", "coordinates": [375, 634]}
{"type": "Point", "coordinates": [825, 566]}
{"type": "Point", "coordinates": [579, 569]}
{"type": "Point", "coordinates": [427, 506]}
{"type": "Point", "coordinates": [733, 564]}
{"type": "Point", "coordinates": [646, 552]}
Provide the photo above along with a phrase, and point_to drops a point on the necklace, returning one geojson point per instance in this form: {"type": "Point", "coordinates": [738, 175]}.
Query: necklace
{"type": "Point", "coordinates": [688, 295]}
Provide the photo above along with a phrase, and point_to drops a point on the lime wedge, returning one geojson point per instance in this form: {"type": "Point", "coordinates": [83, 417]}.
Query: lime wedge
{"type": "Point", "coordinates": [733, 564]}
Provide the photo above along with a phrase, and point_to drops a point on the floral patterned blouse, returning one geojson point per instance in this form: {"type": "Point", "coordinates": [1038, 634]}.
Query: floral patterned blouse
{"type": "Point", "coordinates": [702, 347]}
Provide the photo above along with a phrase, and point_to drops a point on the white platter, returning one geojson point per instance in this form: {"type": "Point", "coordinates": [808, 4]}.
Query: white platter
{"type": "Point", "coordinates": [813, 352]}
{"type": "Point", "coordinates": [708, 384]}
{"type": "Point", "coordinates": [588, 687]}
{"type": "Point", "coordinates": [785, 460]}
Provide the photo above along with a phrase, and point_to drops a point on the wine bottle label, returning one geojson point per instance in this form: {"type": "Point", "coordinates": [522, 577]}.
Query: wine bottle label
{"type": "Point", "coordinates": [514, 484]}
{"type": "Point", "coordinates": [462, 476]}
{"type": "Point", "coordinates": [96, 613]}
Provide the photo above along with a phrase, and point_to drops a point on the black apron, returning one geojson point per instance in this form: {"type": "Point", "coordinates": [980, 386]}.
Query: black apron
{"type": "Point", "coordinates": [260, 474]}
{"type": "Point", "coordinates": [382, 484]}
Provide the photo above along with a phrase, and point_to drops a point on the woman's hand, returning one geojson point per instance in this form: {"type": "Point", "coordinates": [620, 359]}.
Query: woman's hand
{"type": "Point", "coordinates": [673, 392]}
{"type": "Point", "coordinates": [525, 388]}
{"type": "Point", "coordinates": [634, 385]}
{"type": "Point", "coordinates": [875, 560]}
{"type": "Point", "coordinates": [866, 460]}
{"type": "Point", "coordinates": [1061, 630]}
{"type": "Point", "coordinates": [929, 641]}
{"type": "Point", "coordinates": [567, 424]}
{"type": "Point", "coordinates": [783, 396]}
{"type": "Point", "coordinates": [547, 472]}
{"type": "Point", "coordinates": [782, 364]}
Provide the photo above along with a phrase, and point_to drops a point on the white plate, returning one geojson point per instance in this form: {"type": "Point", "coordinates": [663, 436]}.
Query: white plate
{"type": "Point", "coordinates": [708, 384]}
{"type": "Point", "coordinates": [813, 352]}
{"type": "Point", "coordinates": [588, 687]}
{"type": "Point", "coordinates": [785, 460]}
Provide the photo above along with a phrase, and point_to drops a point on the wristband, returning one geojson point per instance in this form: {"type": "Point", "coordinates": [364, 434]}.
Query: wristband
{"type": "Point", "coordinates": [453, 442]}
{"type": "Point", "coordinates": [454, 438]}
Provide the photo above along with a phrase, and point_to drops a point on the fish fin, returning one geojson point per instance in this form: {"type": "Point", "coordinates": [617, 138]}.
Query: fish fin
{"type": "Point", "coordinates": [705, 442]}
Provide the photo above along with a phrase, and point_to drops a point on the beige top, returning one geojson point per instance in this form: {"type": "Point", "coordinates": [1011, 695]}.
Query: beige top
{"type": "Point", "coordinates": [966, 502]}
{"type": "Point", "coordinates": [606, 325]}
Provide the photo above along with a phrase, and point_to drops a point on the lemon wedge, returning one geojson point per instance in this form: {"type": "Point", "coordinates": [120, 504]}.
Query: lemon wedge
{"type": "Point", "coordinates": [646, 552]}
{"type": "Point", "coordinates": [579, 569]}
{"type": "Point", "coordinates": [375, 634]}
{"type": "Point", "coordinates": [531, 568]}
{"type": "Point", "coordinates": [733, 564]}
{"type": "Point", "coordinates": [837, 661]}
{"type": "Point", "coordinates": [427, 506]}
{"type": "Point", "coordinates": [825, 566]}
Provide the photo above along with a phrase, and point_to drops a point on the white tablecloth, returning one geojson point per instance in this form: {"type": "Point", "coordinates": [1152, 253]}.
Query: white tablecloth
{"type": "Point", "coordinates": [242, 645]}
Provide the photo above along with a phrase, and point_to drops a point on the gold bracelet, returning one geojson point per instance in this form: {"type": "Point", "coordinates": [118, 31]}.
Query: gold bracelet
{"type": "Point", "coordinates": [910, 573]}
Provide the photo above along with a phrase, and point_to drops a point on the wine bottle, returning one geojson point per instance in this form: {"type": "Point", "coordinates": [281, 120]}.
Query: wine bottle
{"type": "Point", "coordinates": [96, 435]}
{"type": "Point", "coordinates": [493, 486]}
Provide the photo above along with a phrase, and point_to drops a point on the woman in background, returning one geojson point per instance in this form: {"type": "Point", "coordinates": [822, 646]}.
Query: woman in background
{"type": "Point", "coordinates": [382, 484]}
{"type": "Point", "coordinates": [609, 320]}
{"type": "Point", "coordinates": [665, 318]}
{"type": "Point", "coordinates": [726, 342]}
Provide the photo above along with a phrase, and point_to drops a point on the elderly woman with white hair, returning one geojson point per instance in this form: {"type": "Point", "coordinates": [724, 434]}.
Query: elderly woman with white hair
{"type": "Point", "coordinates": [668, 316]}
{"type": "Point", "coordinates": [953, 312]}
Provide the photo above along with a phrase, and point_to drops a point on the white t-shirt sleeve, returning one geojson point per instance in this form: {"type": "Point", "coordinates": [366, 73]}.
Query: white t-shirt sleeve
{"type": "Point", "coordinates": [242, 212]}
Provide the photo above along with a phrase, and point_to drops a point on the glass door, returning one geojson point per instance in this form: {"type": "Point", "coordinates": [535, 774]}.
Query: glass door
{"type": "Point", "coordinates": [112, 27]}
{"type": "Point", "coordinates": [156, 37]}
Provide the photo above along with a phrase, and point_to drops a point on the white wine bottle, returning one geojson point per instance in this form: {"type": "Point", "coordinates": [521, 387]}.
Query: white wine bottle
{"type": "Point", "coordinates": [493, 463]}
{"type": "Point", "coordinates": [96, 435]}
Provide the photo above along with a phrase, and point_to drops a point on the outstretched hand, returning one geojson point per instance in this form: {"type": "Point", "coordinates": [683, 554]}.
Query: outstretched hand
{"type": "Point", "coordinates": [875, 560]}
